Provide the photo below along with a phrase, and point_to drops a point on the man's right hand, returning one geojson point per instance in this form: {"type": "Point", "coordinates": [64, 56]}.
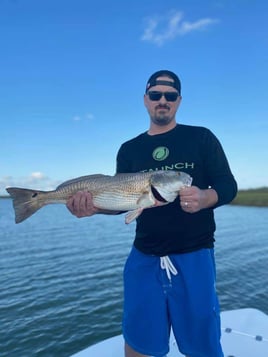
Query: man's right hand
{"type": "Point", "coordinates": [81, 204]}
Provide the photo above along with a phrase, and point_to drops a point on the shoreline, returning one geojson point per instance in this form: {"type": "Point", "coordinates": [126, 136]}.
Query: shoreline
{"type": "Point", "coordinates": [257, 197]}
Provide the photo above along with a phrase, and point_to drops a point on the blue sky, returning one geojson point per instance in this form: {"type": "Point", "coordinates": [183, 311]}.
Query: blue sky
{"type": "Point", "coordinates": [73, 72]}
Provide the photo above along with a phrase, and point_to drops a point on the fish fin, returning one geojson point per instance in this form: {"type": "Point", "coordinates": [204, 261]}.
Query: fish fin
{"type": "Point", "coordinates": [131, 215]}
{"type": "Point", "coordinates": [25, 202]}
{"type": "Point", "coordinates": [81, 178]}
{"type": "Point", "coordinates": [145, 200]}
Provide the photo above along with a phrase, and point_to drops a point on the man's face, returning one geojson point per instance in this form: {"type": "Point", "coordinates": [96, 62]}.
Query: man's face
{"type": "Point", "coordinates": [162, 111]}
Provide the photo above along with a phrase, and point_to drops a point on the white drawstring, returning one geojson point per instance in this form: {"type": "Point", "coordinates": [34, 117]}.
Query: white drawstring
{"type": "Point", "coordinates": [166, 264]}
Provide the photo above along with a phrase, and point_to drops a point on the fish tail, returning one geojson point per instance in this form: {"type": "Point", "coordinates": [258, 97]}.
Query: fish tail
{"type": "Point", "coordinates": [25, 202]}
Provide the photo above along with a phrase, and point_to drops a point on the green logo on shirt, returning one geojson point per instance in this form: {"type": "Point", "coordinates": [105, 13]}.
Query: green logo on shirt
{"type": "Point", "coordinates": [160, 153]}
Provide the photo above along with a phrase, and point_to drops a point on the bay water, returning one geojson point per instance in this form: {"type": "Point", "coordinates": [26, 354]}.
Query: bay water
{"type": "Point", "coordinates": [61, 277]}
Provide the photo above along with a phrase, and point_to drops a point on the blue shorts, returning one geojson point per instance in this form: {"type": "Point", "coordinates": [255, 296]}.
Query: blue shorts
{"type": "Point", "coordinates": [187, 301]}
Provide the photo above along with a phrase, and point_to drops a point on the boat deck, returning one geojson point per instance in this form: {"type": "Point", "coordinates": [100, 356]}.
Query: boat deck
{"type": "Point", "coordinates": [244, 334]}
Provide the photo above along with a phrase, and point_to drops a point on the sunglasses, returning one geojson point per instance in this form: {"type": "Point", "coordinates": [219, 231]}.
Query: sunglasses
{"type": "Point", "coordinates": [169, 96]}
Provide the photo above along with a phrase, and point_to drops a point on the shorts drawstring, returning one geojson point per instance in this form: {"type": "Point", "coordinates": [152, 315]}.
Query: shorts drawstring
{"type": "Point", "coordinates": [167, 264]}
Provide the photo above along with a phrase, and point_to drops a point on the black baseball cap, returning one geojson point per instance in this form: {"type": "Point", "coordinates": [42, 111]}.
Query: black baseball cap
{"type": "Point", "coordinates": [153, 81]}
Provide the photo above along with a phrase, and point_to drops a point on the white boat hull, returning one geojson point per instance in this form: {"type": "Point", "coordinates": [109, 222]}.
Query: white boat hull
{"type": "Point", "coordinates": [244, 334]}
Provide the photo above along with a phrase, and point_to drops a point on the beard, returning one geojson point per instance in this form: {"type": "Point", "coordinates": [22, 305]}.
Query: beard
{"type": "Point", "coordinates": [161, 117]}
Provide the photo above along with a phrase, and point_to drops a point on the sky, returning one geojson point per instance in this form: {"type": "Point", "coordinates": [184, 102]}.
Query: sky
{"type": "Point", "coordinates": [73, 74]}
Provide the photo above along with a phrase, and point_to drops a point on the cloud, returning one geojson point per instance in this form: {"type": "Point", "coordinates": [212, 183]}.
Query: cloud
{"type": "Point", "coordinates": [36, 180]}
{"type": "Point", "coordinates": [160, 29]}
{"type": "Point", "coordinates": [37, 177]}
{"type": "Point", "coordinates": [87, 117]}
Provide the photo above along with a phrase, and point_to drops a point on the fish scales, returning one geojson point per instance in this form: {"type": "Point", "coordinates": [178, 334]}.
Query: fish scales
{"type": "Point", "coordinates": [131, 192]}
{"type": "Point", "coordinates": [121, 191]}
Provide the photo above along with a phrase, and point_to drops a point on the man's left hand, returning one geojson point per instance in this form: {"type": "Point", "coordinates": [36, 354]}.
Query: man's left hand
{"type": "Point", "coordinates": [193, 199]}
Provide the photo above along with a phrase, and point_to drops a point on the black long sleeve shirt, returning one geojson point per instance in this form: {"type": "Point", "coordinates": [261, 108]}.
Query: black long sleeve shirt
{"type": "Point", "coordinates": [195, 150]}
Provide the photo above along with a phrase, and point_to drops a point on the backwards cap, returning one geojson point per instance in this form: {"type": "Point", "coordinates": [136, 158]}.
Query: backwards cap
{"type": "Point", "coordinates": [153, 81]}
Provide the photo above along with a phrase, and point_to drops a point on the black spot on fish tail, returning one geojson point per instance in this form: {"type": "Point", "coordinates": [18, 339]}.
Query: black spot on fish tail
{"type": "Point", "coordinates": [25, 202]}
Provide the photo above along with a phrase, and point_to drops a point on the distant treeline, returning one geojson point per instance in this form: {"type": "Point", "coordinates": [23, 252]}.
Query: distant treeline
{"type": "Point", "coordinates": [253, 197]}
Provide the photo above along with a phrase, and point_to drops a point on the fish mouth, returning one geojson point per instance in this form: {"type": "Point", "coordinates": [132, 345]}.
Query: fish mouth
{"type": "Point", "coordinates": [157, 195]}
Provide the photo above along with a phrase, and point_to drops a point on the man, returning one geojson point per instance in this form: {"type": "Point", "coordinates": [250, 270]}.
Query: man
{"type": "Point", "coordinates": [169, 276]}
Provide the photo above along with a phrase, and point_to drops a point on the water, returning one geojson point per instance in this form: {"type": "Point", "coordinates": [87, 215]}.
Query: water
{"type": "Point", "coordinates": [61, 277]}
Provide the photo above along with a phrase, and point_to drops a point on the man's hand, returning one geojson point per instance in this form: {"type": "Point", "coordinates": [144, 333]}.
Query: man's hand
{"type": "Point", "coordinates": [81, 204]}
{"type": "Point", "coordinates": [193, 199]}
